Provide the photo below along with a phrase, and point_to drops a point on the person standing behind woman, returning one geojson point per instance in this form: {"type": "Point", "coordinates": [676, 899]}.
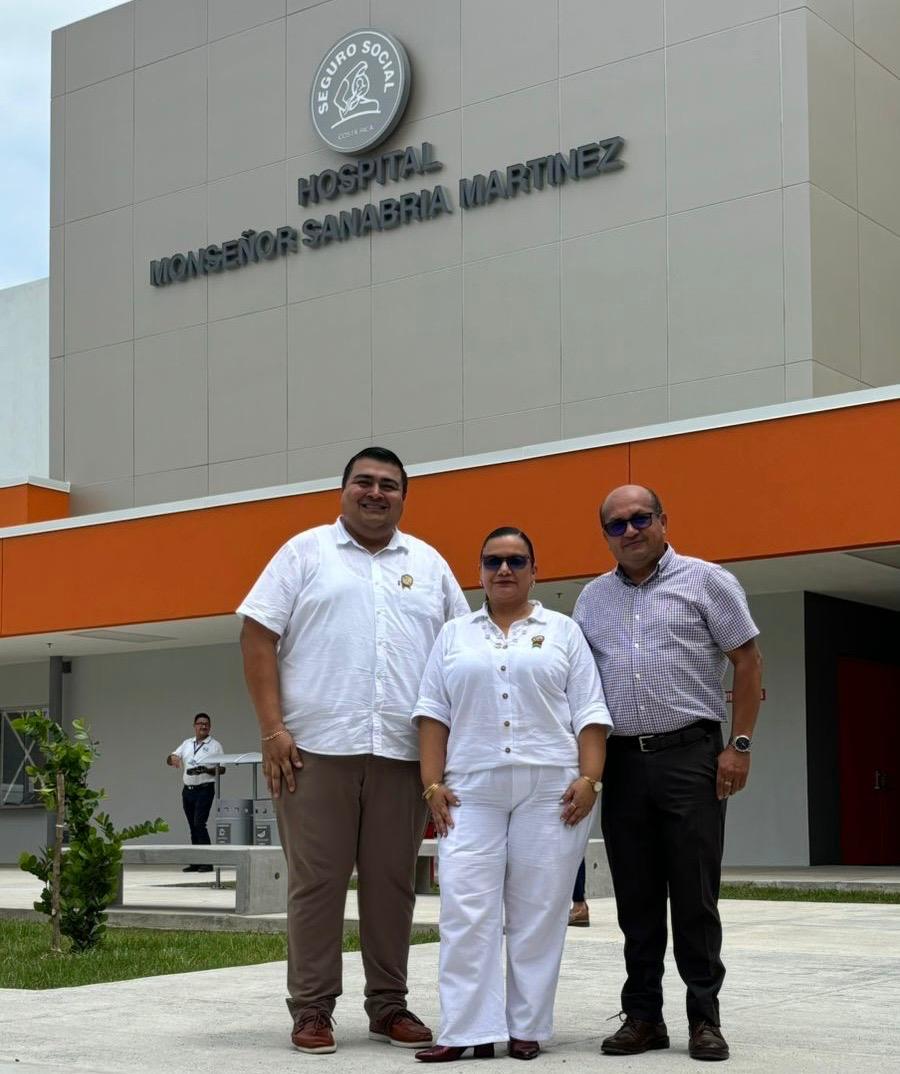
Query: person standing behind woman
{"type": "Point", "coordinates": [512, 716]}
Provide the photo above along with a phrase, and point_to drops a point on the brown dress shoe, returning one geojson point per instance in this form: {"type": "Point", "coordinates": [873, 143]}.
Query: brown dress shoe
{"type": "Point", "coordinates": [634, 1037]}
{"type": "Point", "coordinates": [523, 1049]}
{"type": "Point", "coordinates": [707, 1042]}
{"type": "Point", "coordinates": [580, 916]}
{"type": "Point", "coordinates": [400, 1028]}
{"type": "Point", "coordinates": [312, 1031]}
{"type": "Point", "coordinates": [445, 1053]}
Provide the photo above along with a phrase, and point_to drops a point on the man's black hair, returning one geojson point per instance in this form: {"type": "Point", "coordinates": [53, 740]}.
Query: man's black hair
{"type": "Point", "coordinates": [380, 454]}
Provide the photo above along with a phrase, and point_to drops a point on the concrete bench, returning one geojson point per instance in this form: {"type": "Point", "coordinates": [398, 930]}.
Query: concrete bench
{"type": "Point", "coordinates": [260, 872]}
{"type": "Point", "coordinates": [598, 884]}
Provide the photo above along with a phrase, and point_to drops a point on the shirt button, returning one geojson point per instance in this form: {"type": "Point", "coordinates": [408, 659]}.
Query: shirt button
{"type": "Point", "coordinates": [637, 645]}
{"type": "Point", "coordinates": [637, 617]}
{"type": "Point", "coordinates": [504, 696]}
{"type": "Point", "coordinates": [507, 750]}
{"type": "Point", "coordinates": [506, 723]}
{"type": "Point", "coordinates": [637, 674]}
{"type": "Point", "coordinates": [503, 667]}
{"type": "Point", "coordinates": [643, 708]}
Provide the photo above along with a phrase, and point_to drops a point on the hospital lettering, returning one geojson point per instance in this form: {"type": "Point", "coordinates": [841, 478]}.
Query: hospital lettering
{"type": "Point", "coordinates": [415, 206]}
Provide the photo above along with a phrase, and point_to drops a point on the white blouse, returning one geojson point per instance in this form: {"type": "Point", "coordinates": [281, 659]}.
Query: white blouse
{"type": "Point", "coordinates": [521, 699]}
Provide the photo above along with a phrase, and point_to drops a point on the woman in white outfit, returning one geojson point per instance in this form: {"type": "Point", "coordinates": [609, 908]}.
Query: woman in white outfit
{"type": "Point", "coordinates": [512, 732]}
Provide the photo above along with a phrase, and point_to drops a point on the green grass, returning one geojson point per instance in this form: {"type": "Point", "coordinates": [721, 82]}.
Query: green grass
{"type": "Point", "coordinates": [752, 891]}
{"type": "Point", "coordinates": [26, 961]}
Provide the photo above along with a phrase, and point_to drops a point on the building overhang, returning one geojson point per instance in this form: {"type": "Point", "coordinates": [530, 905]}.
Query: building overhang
{"type": "Point", "coordinates": [787, 480]}
{"type": "Point", "coordinates": [32, 499]}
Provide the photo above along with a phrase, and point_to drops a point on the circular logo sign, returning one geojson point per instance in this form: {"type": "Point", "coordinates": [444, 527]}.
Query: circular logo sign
{"type": "Point", "coordinates": [360, 91]}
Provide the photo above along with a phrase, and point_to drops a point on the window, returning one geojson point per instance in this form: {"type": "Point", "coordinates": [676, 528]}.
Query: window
{"type": "Point", "coordinates": [17, 751]}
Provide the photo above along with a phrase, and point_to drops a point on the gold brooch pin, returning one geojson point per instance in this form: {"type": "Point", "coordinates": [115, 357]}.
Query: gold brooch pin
{"type": "Point", "coordinates": [537, 641]}
{"type": "Point", "coordinates": [406, 580]}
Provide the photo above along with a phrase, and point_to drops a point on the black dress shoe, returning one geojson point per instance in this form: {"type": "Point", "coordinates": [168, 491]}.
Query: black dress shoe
{"type": "Point", "coordinates": [189, 869]}
{"type": "Point", "coordinates": [203, 868]}
{"type": "Point", "coordinates": [635, 1036]}
{"type": "Point", "coordinates": [707, 1042]}
{"type": "Point", "coordinates": [445, 1053]}
{"type": "Point", "coordinates": [523, 1049]}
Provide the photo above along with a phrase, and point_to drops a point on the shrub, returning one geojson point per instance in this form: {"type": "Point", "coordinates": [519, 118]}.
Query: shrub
{"type": "Point", "coordinates": [85, 880]}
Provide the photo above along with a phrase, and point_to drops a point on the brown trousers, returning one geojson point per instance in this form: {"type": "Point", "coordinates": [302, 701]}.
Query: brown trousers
{"type": "Point", "coordinates": [365, 810]}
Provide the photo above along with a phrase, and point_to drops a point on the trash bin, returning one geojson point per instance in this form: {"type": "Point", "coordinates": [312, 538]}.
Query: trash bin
{"type": "Point", "coordinates": [234, 821]}
{"type": "Point", "coordinates": [265, 826]}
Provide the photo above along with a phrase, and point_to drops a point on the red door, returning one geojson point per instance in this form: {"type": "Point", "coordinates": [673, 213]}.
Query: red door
{"type": "Point", "coordinates": [869, 737]}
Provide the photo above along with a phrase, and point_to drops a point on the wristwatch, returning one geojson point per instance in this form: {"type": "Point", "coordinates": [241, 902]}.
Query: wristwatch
{"type": "Point", "coordinates": [596, 785]}
{"type": "Point", "coordinates": [741, 743]}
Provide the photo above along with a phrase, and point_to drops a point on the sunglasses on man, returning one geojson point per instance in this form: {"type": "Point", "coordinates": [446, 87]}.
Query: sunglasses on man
{"type": "Point", "coordinates": [618, 526]}
{"type": "Point", "coordinates": [515, 563]}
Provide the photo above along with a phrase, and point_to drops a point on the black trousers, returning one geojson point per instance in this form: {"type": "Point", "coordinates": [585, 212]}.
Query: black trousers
{"type": "Point", "coordinates": [580, 878]}
{"type": "Point", "coordinates": [197, 802]}
{"type": "Point", "coordinates": [664, 830]}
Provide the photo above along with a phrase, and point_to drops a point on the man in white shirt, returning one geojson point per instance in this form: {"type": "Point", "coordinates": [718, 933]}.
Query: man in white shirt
{"type": "Point", "coordinates": [337, 631]}
{"type": "Point", "coordinates": [199, 779]}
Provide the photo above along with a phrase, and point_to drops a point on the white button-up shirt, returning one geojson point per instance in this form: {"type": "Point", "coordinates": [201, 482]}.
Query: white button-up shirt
{"type": "Point", "coordinates": [355, 632]}
{"type": "Point", "coordinates": [196, 754]}
{"type": "Point", "coordinates": [519, 699]}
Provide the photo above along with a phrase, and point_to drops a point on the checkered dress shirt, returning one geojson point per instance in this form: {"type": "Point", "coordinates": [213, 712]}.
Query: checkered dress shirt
{"type": "Point", "coordinates": [660, 646]}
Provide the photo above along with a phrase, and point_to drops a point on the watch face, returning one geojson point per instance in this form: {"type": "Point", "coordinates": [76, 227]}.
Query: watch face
{"type": "Point", "coordinates": [742, 743]}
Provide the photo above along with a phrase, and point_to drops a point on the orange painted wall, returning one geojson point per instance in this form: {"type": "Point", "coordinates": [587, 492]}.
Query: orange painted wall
{"type": "Point", "coordinates": [20, 504]}
{"type": "Point", "coordinates": [810, 483]}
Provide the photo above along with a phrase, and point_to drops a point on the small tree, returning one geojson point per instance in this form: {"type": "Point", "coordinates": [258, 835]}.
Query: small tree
{"type": "Point", "coordinates": [80, 885]}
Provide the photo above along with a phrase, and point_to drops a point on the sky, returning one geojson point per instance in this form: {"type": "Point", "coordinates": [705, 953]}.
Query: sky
{"type": "Point", "coordinates": [25, 27]}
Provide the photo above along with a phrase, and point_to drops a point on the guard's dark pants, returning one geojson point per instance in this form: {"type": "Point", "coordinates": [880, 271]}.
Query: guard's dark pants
{"type": "Point", "coordinates": [197, 802]}
{"type": "Point", "coordinates": [664, 830]}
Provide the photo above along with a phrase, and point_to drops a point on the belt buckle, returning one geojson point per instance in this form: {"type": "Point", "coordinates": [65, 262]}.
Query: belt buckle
{"type": "Point", "coordinates": [641, 745]}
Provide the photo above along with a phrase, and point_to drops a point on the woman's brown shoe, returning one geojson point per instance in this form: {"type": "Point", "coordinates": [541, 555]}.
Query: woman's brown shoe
{"type": "Point", "coordinates": [580, 916]}
{"type": "Point", "coordinates": [443, 1053]}
{"type": "Point", "coordinates": [523, 1049]}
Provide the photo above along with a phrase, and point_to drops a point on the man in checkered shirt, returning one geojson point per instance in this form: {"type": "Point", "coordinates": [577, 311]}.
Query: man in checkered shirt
{"type": "Point", "coordinates": [663, 628]}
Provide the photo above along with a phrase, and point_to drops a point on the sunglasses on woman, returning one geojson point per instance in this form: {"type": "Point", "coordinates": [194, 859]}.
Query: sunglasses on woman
{"type": "Point", "coordinates": [640, 521]}
{"type": "Point", "coordinates": [515, 563]}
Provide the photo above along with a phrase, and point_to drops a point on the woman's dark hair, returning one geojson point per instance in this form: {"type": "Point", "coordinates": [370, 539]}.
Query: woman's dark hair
{"type": "Point", "coordinates": [380, 454]}
{"type": "Point", "coordinates": [510, 531]}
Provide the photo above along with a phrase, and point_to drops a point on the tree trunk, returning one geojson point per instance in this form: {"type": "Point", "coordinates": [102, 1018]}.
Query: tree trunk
{"type": "Point", "coordinates": [55, 944]}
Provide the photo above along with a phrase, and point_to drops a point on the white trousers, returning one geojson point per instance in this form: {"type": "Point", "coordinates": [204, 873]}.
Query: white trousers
{"type": "Point", "coordinates": [508, 852]}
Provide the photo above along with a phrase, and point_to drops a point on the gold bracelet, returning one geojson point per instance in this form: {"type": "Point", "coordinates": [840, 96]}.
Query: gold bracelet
{"type": "Point", "coordinates": [429, 791]}
{"type": "Point", "coordinates": [275, 734]}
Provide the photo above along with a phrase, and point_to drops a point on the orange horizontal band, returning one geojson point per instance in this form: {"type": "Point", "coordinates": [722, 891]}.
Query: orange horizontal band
{"type": "Point", "coordinates": [785, 486]}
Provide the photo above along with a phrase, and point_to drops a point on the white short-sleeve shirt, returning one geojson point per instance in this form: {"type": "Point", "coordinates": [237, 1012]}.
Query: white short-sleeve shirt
{"type": "Point", "coordinates": [519, 699]}
{"type": "Point", "coordinates": [355, 632]}
{"type": "Point", "coordinates": [194, 754]}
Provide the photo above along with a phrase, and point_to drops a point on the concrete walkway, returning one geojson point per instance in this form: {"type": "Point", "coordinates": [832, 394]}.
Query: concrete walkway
{"type": "Point", "coordinates": [812, 988]}
{"type": "Point", "coordinates": [165, 897]}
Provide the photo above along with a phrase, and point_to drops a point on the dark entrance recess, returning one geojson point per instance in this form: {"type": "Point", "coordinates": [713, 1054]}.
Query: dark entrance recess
{"type": "Point", "coordinates": [852, 732]}
{"type": "Point", "coordinates": [869, 752]}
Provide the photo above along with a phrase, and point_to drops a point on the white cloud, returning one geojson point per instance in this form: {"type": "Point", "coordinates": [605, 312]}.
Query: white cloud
{"type": "Point", "coordinates": [25, 29]}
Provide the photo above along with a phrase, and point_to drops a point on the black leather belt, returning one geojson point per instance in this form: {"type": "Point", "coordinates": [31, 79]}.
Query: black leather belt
{"type": "Point", "coordinates": [693, 732]}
